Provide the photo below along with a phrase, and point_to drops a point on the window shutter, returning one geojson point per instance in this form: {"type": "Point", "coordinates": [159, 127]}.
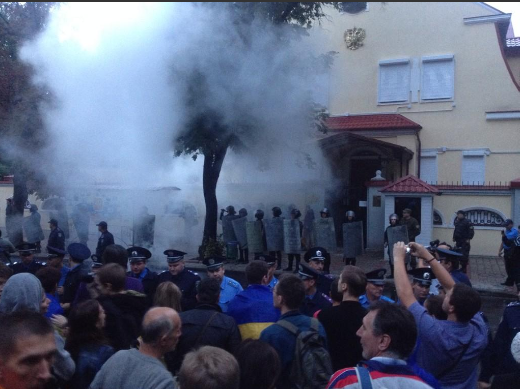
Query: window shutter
{"type": "Point", "coordinates": [394, 81]}
{"type": "Point", "coordinates": [473, 170]}
{"type": "Point", "coordinates": [437, 78]}
{"type": "Point", "coordinates": [429, 169]}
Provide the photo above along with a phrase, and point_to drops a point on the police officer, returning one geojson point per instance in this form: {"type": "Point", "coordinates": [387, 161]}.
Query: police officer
{"type": "Point", "coordinates": [78, 252]}
{"type": "Point", "coordinates": [350, 218]}
{"type": "Point", "coordinates": [138, 256]}
{"type": "Point", "coordinates": [271, 263]}
{"type": "Point", "coordinates": [374, 290]}
{"type": "Point", "coordinates": [314, 299]}
{"type": "Point", "coordinates": [413, 227]}
{"type": "Point", "coordinates": [451, 260]}
{"type": "Point", "coordinates": [259, 216]}
{"type": "Point", "coordinates": [56, 237]}
{"type": "Point", "coordinates": [27, 263]}
{"type": "Point", "coordinates": [295, 215]}
{"type": "Point", "coordinates": [511, 253]}
{"type": "Point", "coordinates": [229, 288]}
{"type": "Point", "coordinates": [244, 250]}
{"type": "Point", "coordinates": [462, 234]}
{"type": "Point", "coordinates": [105, 239]}
{"type": "Point", "coordinates": [277, 213]}
{"type": "Point", "coordinates": [315, 257]}
{"type": "Point", "coordinates": [185, 279]}
{"type": "Point", "coordinates": [325, 213]}
{"type": "Point", "coordinates": [421, 281]}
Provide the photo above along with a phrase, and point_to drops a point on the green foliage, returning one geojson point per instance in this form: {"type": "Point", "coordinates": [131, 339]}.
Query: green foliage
{"type": "Point", "coordinates": [211, 247]}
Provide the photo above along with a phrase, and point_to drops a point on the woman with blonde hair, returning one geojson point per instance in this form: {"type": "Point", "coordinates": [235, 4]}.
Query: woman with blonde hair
{"type": "Point", "coordinates": [168, 295]}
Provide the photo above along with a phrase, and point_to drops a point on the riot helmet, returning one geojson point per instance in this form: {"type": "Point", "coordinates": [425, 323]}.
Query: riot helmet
{"type": "Point", "coordinates": [259, 214]}
{"type": "Point", "coordinates": [296, 213]}
{"type": "Point", "coordinates": [277, 211]}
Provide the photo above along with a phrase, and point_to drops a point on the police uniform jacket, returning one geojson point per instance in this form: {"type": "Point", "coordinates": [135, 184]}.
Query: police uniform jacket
{"type": "Point", "coordinates": [106, 239]}
{"type": "Point", "coordinates": [187, 282]}
{"type": "Point", "coordinates": [463, 230]}
{"type": "Point", "coordinates": [72, 281]}
{"type": "Point", "coordinates": [315, 303]}
{"type": "Point", "coordinates": [57, 239]}
{"type": "Point", "coordinates": [149, 280]}
{"type": "Point", "coordinates": [365, 303]}
{"type": "Point", "coordinates": [33, 267]}
{"type": "Point", "coordinates": [229, 288]}
{"type": "Point", "coordinates": [324, 283]}
{"type": "Point", "coordinates": [205, 325]}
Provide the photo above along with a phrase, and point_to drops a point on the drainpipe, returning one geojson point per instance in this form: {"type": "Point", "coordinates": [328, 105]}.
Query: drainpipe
{"type": "Point", "coordinates": [418, 155]}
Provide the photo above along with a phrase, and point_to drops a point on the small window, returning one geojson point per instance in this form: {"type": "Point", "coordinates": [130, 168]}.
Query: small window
{"type": "Point", "coordinates": [438, 74]}
{"type": "Point", "coordinates": [394, 81]}
{"type": "Point", "coordinates": [481, 217]}
{"type": "Point", "coordinates": [473, 170]}
{"type": "Point", "coordinates": [429, 169]}
{"type": "Point", "coordinates": [437, 218]}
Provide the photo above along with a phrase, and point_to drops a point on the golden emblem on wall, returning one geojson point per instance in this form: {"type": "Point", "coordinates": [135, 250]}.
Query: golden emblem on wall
{"type": "Point", "coordinates": [354, 38]}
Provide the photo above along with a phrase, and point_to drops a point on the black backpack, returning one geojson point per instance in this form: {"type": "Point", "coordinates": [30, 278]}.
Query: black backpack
{"type": "Point", "coordinates": [311, 366]}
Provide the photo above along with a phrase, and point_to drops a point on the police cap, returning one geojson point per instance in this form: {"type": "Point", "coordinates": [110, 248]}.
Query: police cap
{"type": "Point", "coordinates": [422, 275]}
{"type": "Point", "coordinates": [55, 252]}
{"type": "Point", "coordinates": [376, 277]}
{"type": "Point", "coordinates": [102, 224]}
{"type": "Point", "coordinates": [447, 253]}
{"type": "Point", "coordinates": [507, 222]}
{"type": "Point", "coordinates": [96, 263]}
{"type": "Point", "coordinates": [54, 222]}
{"type": "Point", "coordinates": [306, 273]}
{"type": "Point", "coordinates": [214, 262]}
{"type": "Point", "coordinates": [315, 254]}
{"type": "Point", "coordinates": [173, 256]}
{"type": "Point", "coordinates": [26, 248]}
{"type": "Point", "coordinates": [138, 254]}
{"type": "Point", "coordinates": [78, 252]}
{"type": "Point", "coordinates": [269, 260]}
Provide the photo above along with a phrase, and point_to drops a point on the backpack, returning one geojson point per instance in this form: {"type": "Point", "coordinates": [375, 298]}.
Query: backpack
{"type": "Point", "coordinates": [311, 366]}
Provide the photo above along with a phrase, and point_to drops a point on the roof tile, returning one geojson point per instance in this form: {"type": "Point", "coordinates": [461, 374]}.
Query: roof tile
{"type": "Point", "coordinates": [370, 122]}
{"type": "Point", "coordinates": [410, 184]}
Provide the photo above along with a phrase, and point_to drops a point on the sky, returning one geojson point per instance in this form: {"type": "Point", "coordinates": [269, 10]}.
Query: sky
{"type": "Point", "coordinates": [513, 8]}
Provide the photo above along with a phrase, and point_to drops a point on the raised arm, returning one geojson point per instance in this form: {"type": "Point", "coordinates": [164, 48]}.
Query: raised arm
{"type": "Point", "coordinates": [445, 279]}
{"type": "Point", "coordinates": [402, 283]}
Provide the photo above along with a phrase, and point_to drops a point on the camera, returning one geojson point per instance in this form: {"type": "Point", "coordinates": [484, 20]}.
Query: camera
{"type": "Point", "coordinates": [408, 250]}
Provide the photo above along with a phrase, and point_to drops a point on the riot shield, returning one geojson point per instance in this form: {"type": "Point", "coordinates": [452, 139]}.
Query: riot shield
{"type": "Point", "coordinates": [255, 240]}
{"type": "Point", "coordinates": [239, 226]}
{"type": "Point", "coordinates": [227, 229]}
{"type": "Point", "coordinates": [291, 237]}
{"type": "Point", "coordinates": [352, 239]}
{"type": "Point", "coordinates": [274, 233]}
{"type": "Point", "coordinates": [325, 233]}
{"type": "Point", "coordinates": [396, 234]}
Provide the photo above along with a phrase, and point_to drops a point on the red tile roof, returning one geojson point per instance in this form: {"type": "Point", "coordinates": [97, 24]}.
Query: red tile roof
{"type": "Point", "coordinates": [371, 122]}
{"type": "Point", "coordinates": [410, 184]}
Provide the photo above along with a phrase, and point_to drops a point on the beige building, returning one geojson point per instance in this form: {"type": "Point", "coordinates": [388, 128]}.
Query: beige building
{"type": "Point", "coordinates": [430, 90]}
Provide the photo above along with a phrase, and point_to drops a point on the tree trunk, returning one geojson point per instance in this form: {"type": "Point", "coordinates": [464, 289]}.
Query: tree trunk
{"type": "Point", "coordinates": [212, 166]}
{"type": "Point", "coordinates": [20, 197]}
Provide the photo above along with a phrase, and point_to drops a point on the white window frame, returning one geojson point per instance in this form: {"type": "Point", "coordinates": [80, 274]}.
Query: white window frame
{"type": "Point", "coordinates": [473, 154]}
{"type": "Point", "coordinates": [390, 62]}
{"type": "Point", "coordinates": [438, 58]}
{"type": "Point", "coordinates": [432, 155]}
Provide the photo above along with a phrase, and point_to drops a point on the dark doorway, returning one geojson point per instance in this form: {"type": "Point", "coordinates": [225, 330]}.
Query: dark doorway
{"type": "Point", "coordinates": [414, 203]}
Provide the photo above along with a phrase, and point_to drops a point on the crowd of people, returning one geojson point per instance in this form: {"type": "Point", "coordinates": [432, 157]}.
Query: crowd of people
{"type": "Point", "coordinates": [109, 321]}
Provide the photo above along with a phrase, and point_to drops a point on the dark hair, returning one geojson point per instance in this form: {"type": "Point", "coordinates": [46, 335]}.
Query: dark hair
{"type": "Point", "coordinates": [115, 253]}
{"type": "Point", "coordinates": [256, 271]}
{"type": "Point", "coordinates": [466, 302]}
{"type": "Point", "coordinates": [49, 277]}
{"type": "Point", "coordinates": [453, 260]}
{"type": "Point", "coordinates": [83, 330]}
{"type": "Point", "coordinates": [153, 331]}
{"type": "Point", "coordinates": [397, 322]}
{"type": "Point", "coordinates": [208, 291]}
{"type": "Point", "coordinates": [5, 271]}
{"type": "Point", "coordinates": [335, 295]}
{"type": "Point", "coordinates": [19, 324]}
{"type": "Point", "coordinates": [113, 274]}
{"type": "Point", "coordinates": [355, 279]}
{"type": "Point", "coordinates": [253, 353]}
{"type": "Point", "coordinates": [291, 288]}
{"type": "Point", "coordinates": [433, 305]}
{"type": "Point", "coordinates": [168, 295]}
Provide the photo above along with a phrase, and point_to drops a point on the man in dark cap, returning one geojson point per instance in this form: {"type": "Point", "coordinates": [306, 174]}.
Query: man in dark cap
{"type": "Point", "coordinates": [316, 257]}
{"type": "Point", "coordinates": [185, 279]}
{"type": "Point", "coordinates": [229, 288]}
{"type": "Point", "coordinates": [510, 250]}
{"type": "Point", "coordinates": [56, 237]}
{"type": "Point", "coordinates": [138, 256]}
{"type": "Point", "coordinates": [271, 264]}
{"type": "Point", "coordinates": [78, 252]}
{"type": "Point", "coordinates": [314, 299]}
{"type": "Point", "coordinates": [33, 229]}
{"type": "Point", "coordinates": [27, 263]}
{"type": "Point", "coordinates": [105, 239]}
{"type": "Point", "coordinates": [374, 290]}
{"type": "Point", "coordinates": [421, 281]}
{"type": "Point", "coordinates": [413, 227]}
{"type": "Point", "coordinates": [450, 261]}
{"type": "Point", "coordinates": [55, 259]}
{"type": "Point", "coordinates": [462, 234]}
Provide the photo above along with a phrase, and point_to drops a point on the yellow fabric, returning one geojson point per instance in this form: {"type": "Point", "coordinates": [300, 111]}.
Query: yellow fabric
{"type": "Point", "coordinates": [252, 330]}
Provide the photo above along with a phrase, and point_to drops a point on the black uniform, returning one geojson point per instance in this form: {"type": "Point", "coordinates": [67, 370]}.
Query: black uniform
{"type": "Point", "coordinates": [497, 358]}
{"type": "Point", "coordinates": [205, 325]}
{"type": "Point", "coordinates": [187, 282]}
{"type": "Point", "coordinates": [33, 267]}
{"type": "Point", "coordinates": [106, 239]}
{"type": "Point", "coordinates": [72, 281]}
{"type": "Point", "coordinates": [461, 234]}
{"type": "Point", "coordinates": [312, 305]}
{"type": "Point", "coordinates": [324, 283]}
{"type": "Point", "coordinates": [149, 281]}
{"type": "Point", "coordinates": [56, 239]}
